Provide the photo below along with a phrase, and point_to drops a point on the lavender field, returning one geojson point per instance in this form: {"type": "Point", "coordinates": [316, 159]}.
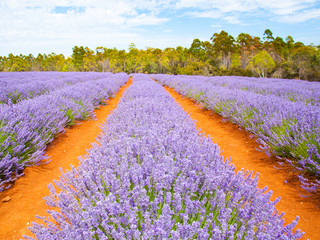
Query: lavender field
{"type": "Point", "coordinates": [152, 176]}
{"type": "Point", "coordinates": [35, 107]}
{"type": "Point", "coordinates": [17, 86]}
{"type": "Point", "coordinates": [283, 114]}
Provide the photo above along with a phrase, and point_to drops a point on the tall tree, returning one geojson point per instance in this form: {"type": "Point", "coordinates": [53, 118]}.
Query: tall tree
{"type": "Point", "coordinates": [89, 61]}
{"type": "Point", "coordinates": [197, 49]}
{"type": "Point", "coordinates": [245, 43]}
{"type": "Point", "coordinates": [77, 57]}
{"type": "Point", "coordinates": [261, 63]}
{"type": "Point", "coordinates": [225, 45]}
{"type": "Point", "coordinates": [268, 35]}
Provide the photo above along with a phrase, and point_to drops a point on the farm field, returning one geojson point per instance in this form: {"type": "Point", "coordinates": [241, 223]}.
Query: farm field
{"type": "Point", "coordinates": [283, 114]}
{"type": "Point", "coordinates": [150, 149]}
{"type": "Point", "coordinates": [241, 147]}
{"type": "Point", "coordinates": [32, 115]}
{"type": "Point", "coordinates": [17, 214]}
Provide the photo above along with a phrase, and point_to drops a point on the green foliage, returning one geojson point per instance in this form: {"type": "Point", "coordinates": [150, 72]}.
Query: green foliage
{"type": "Point", "coordinates": [225, 45]}
{"type": "Point", "coordinates": [223, 55]}
{"type": "Point", "coordinates": [78, 54]}
{"type": "Point", "coordinates": [293, 150]}
{"type": "Point", "coordinates": [236, 61]}
{"type": "Point", "coordinates": [223, 106]}
{"type": "Point", "coordinates": [261, 63]}
{"type": "Point", "coordinates": [268, 34]}
{"type": "Point", "coordinates": [70, 115]}
{"type": "Point", "coordinates": [197, 96]}
{"type": "Point", "coordinates": [14, 96]}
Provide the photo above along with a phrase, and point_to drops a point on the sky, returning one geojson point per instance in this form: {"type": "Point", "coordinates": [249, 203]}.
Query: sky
{"type": "Point", "coordinates": [46, 26]}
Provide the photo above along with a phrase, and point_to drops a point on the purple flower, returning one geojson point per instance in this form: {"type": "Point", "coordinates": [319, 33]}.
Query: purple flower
{"type": "Point", "coordinates": [152, 176]}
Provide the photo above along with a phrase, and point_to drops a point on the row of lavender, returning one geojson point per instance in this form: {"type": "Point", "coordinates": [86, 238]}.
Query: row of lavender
{"type": "Point", "coordinates": [28, 126]}
{"type": "Point", "coordinates": [289, 89]}
{"type": "Point", "coordinates": [152, 176]}
{"type": "Point", "coordinates": [17, 86]}
{"type": "Point", "coordinates": [286, 128]}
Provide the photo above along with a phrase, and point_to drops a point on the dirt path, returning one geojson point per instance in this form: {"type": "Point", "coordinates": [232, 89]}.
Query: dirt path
{"type": "Point", "coordinates": [28, 191]}
{"type": "Point", "coordinates": [242, 148]}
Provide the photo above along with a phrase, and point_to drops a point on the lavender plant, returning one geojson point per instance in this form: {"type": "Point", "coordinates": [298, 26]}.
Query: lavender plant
{"type": "Point", "coordinates": [17, 86]}
{"type": "Point", "coordinates": [289, 129]}
{"type": "Point", "coordinates": [289, 89]}
{"type": "Point", "coordinates": [153, 176]}
{"type": "Point", "coordinates": [28, 126]}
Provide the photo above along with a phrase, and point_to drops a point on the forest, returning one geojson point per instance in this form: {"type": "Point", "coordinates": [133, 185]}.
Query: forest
{"type": "Point", "coordinates": [223, 54]}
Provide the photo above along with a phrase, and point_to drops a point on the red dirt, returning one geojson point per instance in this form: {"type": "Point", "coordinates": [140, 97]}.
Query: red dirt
{"type": "Point", "coordinates": [28, 191]}
{"type": "Point", "coordinates": [238, 145]}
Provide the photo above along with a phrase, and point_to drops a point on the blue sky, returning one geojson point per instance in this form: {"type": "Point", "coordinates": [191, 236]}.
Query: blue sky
{"type": "Point", "coordinates": [46, 26]}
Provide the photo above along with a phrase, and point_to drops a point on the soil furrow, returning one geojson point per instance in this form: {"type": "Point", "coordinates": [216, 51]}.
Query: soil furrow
{"type": "Point", "coordinates": [238, 144]}
{"type": "Point", "coordinates": [28, 191]}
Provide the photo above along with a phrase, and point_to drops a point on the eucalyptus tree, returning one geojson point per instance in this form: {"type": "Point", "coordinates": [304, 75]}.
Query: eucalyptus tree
{"type": "Point", "coordinates": [224, 44]}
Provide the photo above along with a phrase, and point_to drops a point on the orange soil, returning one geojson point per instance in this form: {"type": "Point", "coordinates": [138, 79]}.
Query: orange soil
{"type": "Point", "coordinates": [238, 145]}
{"type": "Point", "coordinates": [28, 191]}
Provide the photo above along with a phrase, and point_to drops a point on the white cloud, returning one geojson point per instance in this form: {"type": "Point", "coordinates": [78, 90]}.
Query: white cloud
{"type": "Point", "coordinates": [210, 5]}
{"type": "Point", "coordinates": [285, 7]}
{"type": "Point", "coordinates": [144, 19]}
{"type": "Point", "coordinates": [205, 14]}
{"type": "Point", "coordinates": [227, 7]}
{"type": "Point", "coordinates": [37, 21]}
{"type": "Point", "coordinates": [301, 17]}
{"type": "Point", "coordinates": [44, 13]}
{"type": "Point", "coordinates": [232, 19]}
{"type": "Point", "coordinates": [28, 25]}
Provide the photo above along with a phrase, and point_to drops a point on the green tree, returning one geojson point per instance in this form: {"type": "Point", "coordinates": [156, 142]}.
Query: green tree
{"type": "Point", "coordinates": [197, 49]}
{"type": "Point", "coordinates": [158, 56]}
{"type": "Point", "coordinates": [268, 35]}
{"type": "Point", "coordinates": [77, 57]}
{"type": "Point", "coordinates": [224, 44]}
{"type": "Point", "coordinates": [171, 60]}
{"type": "Point", "coordinates": [261, 63]}
{"type": "Point", "coordinates": [89, 61]}
{"type": "Point", "coordinates": [305, 61]}
{"type": "Point", "coordinates": [290, 42]}
{"type": "Point", "coordinates": [131, 60]}
{"type": "Point", "coordinates": [244, 42]}
{"type": "Point", "coordinates": [19, 63]}
{"type": "Point", "coordinates": [236, 61]}
{"type": "Point", "coordinates": [222, 55]}
{"type": "Point", "coordinates": [2, 63]}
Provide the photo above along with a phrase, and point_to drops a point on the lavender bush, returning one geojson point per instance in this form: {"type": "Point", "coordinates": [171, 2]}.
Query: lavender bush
{"type": "Point", "coordinates": [17, 86]}
{"type": "Point", "coordinates": [28, 126]}
{"type": "Point", "coordinates": [152, 176]}
{"type": "Point", "coordinates": [289, 89]}
{"type": "Point", "coordinates": [287, 128]}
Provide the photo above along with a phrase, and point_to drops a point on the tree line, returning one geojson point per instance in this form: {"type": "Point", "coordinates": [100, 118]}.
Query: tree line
{"type": "Point", "coordinates": [223, 54]}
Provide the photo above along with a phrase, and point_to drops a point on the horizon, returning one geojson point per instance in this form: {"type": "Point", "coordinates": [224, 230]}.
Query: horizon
{"type": "Point", "coordinates": [33, 27]}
